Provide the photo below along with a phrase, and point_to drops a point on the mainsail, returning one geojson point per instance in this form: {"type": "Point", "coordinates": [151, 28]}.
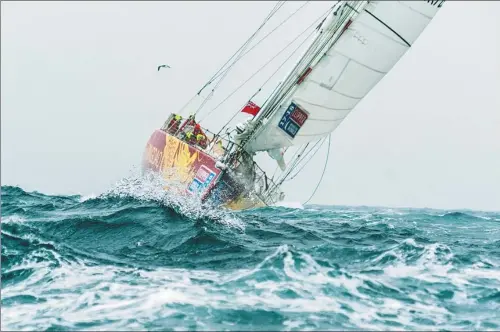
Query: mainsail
{"type": "Point", "coordinates": [354, 48]}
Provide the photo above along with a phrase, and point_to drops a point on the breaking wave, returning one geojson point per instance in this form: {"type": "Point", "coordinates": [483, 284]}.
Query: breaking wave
{"type": "Point", "coordinates": [137, 257]}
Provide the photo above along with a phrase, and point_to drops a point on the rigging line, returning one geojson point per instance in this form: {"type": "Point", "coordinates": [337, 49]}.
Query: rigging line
{"type": "Point", "coordinates": [323, 173]}
{"type": "Point", "coordinates": [274, 173]}
{"type": "Point", "coordinates": [275, 9]}
{"type": "Point", "coordinates": [307, 162]}
{"type": "Point", "coordinates": [292, 159]}
{"type": "Point", "coordinates": [319, 44]}
{"type": "Point", "coordinates": [293, 163]}
{"type": "Point", "coordinates": [320, 142]}
{"type": "Point", "coordinates": [276, 185]}
{"type": "Point", "coordinates": [296, 162]}
{"type": "Point", "coordinates": [240, 55]}
{"type": "Point", "coordinates": [291, 166]}
{"type": "Point", "coordinates": [276, 28]}
{"type": "Point", "coordinates": [288, 58]}
{"type": "Point", "coordinates": [277, 166]}
{"type": "Point", "coordinates": [306, 39]}
{"type": "Point", "coordinates": [217, 74]}
{"type": "Point", "coordinates": [271, 13]}
{"type": "Point", "coordinates": [265, 65]}
{"type": "Point", "coordinates": [186, 104]}
{"type": "Point", "coordinates": [285, 90]}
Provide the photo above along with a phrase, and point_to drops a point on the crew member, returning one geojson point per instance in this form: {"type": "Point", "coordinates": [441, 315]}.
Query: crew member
{"type": "Point", "coordinates": [190, 138]}
{"type": "Point", "coordinates": [189, 123]}
{"type": "Point", "coordinates": [197, 130]}
{"type": "Point", "coordinates": [174, 124]}
{"type": "Point", "coordinates": [201, 140]}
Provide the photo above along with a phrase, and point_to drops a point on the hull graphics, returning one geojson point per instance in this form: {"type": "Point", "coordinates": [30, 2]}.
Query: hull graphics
{"type": "Point", "coordinates": [195, 170]}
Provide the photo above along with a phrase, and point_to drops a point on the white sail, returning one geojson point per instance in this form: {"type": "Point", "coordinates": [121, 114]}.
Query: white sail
{"type": "Point", "coordinates": [371, 42]}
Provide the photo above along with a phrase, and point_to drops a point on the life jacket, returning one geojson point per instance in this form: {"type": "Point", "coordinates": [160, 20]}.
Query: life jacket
{"type": "Point", "coordinates": [190, 138]}
{"type": "Point", "coordinates": [202, 140]}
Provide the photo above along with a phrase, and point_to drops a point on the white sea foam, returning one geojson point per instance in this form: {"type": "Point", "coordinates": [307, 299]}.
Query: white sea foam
{"type": "Point", "coordinates": [152, 187]}
{"type": "Point", "coordinates": [400, 288]}
{"type": "Point", "coordinates": [290, 205]}
{"type": "Point", "coordinates": [85, 198]}
{"type": "Point", "coordinates": [88, 294]}
{"type": "Point", "coordinates": [12, 219]}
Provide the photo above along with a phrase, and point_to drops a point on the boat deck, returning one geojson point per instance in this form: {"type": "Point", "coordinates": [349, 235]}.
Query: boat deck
{"type": "Point", "coordinates": [214, 150]}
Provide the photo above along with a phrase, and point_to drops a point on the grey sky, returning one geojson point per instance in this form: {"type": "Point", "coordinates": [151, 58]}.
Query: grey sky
{"type": "Point", "coordinates": [80, 96]}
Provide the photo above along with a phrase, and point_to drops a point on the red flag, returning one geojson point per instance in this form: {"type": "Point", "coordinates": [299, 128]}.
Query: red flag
{"type": "Point", "coordinates": [251, 108]}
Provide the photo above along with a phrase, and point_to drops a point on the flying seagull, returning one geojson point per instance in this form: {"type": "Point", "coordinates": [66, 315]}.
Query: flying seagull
{"type": "Point", "coordinates": [163, 66]}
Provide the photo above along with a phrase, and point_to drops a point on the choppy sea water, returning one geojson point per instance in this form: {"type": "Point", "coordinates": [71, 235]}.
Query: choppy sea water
{"type": "Point", "coordinates": [132, 260]}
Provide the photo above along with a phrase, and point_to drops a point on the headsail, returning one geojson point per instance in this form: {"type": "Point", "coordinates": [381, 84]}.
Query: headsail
{"type": "Point", "coordinates": [355, 52]}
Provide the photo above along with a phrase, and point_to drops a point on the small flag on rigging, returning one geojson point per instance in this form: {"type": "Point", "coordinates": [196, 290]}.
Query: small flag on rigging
{"type": "Point", "coordinates": [251, 108]}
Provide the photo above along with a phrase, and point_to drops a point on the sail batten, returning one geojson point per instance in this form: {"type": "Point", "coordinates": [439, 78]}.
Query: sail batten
{"type": "Point", "coordinates": [354, 51]}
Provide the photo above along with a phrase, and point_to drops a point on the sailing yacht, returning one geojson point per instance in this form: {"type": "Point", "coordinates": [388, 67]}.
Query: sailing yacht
{"type": "Point", "coordinates": [351, 48]}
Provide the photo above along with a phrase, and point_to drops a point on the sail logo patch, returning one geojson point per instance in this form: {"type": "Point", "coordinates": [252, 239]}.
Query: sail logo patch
{"type": "Point", "coordinates": [202, 179]}
{"type": "Point", "coordinates": [293, 119]}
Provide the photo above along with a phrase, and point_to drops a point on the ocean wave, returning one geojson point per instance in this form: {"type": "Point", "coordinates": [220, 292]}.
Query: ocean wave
{"type": "Point", "coordinates": [137, 257]}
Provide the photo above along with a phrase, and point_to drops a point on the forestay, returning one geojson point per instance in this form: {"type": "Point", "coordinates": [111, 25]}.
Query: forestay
{"type": "Point", "coordinates": [363, 49]}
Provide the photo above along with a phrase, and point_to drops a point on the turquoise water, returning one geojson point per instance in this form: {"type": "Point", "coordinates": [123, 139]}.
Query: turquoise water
{"type": "Point", "coordinates": [129, 260]}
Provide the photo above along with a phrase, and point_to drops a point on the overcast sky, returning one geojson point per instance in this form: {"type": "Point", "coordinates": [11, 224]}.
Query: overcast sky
{"type": "Point", "coordinates": [80, 96]}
